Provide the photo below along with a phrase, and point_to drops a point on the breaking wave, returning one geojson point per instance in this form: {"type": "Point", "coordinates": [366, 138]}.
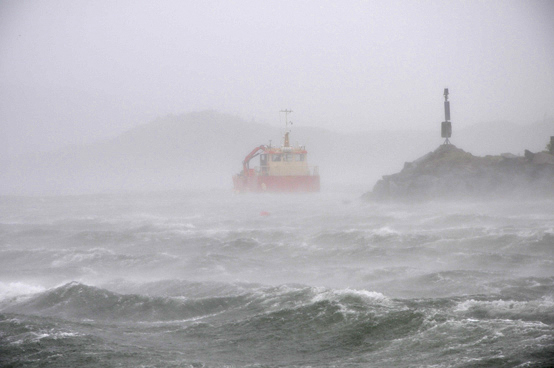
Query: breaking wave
{"type": "Point", "coordinates": [279, 324]}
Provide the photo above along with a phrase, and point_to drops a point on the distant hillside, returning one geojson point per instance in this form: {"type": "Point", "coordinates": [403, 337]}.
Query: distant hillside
{"type": "Point", "coordinates": [186, 151]}
{"type": "Point", "coordinates": [204, 149]}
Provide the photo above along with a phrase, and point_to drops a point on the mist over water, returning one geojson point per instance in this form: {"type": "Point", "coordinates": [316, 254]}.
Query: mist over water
{"type": "Point", "coordinates": [207, 278]}
{"type": "Point", "coordinates": [140, 98]}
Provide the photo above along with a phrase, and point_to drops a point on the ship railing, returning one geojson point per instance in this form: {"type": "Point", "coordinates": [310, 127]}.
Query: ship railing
{"type": "Point", "coordinates": [311, 170]}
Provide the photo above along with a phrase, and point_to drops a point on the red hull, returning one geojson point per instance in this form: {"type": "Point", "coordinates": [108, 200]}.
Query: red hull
{"type": "Point", "coordinates": [268, 183]}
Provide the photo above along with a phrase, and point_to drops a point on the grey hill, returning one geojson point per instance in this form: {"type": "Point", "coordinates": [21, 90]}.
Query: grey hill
{"type": "Point", "coordinates": [204, 149]}
{"type": "Point", "coordinates": [197, 150]}
{"type": "Point", "coordinates": [452, 173]}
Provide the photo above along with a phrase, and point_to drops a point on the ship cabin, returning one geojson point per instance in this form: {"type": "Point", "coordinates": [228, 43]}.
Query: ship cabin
{"type": "Point", "coordinates": [284, 161]}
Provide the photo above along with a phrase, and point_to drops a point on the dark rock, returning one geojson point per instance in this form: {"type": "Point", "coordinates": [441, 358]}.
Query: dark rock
{"type": "Point", "coordinates": [541, 158]}
{"type": "Point", "coordinates": [450, 172]}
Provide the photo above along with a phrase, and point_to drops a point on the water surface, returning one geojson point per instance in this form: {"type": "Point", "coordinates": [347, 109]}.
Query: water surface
{"type": "Point", "coordinates": [211, 279]}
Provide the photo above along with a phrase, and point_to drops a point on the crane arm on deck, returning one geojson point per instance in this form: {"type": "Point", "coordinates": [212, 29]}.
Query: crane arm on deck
{"type": "Point", "coordinates": [250, 156]}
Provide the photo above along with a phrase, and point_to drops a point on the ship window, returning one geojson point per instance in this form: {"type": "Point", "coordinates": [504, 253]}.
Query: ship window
{"type": "Point", "coordinates": [276, 157]}
{"type": "Point", "coordinates": [299, 157]}
{"type": "Point", "coordinates": [263, 159]}
{"type": "Point", "coordinates": [288, 157]}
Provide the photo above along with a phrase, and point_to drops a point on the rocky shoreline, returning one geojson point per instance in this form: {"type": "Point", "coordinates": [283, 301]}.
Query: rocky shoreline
{"type": "Point", "coordinates": [451, 173]}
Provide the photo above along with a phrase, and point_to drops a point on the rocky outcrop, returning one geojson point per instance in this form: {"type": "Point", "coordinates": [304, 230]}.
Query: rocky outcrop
{"type": "Point", "coordinates": [450, 172]}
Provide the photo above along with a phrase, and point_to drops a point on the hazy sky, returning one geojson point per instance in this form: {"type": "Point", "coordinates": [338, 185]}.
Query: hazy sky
{"type": "Point", "coordinates": [72, 71]}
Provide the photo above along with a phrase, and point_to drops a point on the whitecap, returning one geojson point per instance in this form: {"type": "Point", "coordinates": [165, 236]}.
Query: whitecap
{"type": "Point", "coordinates": [14, 289]}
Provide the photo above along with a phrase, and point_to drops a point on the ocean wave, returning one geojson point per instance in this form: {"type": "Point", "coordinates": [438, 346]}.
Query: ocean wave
{"type": "Point", "coordinates": [34, 342]}
{"type": "Point", "coordinates": [15, 289]}
{"type": "Point", "coordinates": [351, 296]}
{"type": "Point", "coordinates": [278, 324]}
{"type": "Point", "coordinates": [541, 310]}
{"type": "Point", "coordinates": [181, 288]}
{"type": "Point", "coordinates": [20, 331]}
{"type": "Point", "coordinates": [103, 258]}
{"type": "Point", "coordinates": [288, 321]}
{"type": "Point", "coordinates": [79, 301]}
{"type": "Point", "coordinates": [526, 288]}
{"type": "Point", "coordinates": [329, 326]}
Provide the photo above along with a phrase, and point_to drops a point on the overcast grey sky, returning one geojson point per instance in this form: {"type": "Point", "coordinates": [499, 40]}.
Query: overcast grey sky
{"type": "Point", "coordinates": [72, 71]}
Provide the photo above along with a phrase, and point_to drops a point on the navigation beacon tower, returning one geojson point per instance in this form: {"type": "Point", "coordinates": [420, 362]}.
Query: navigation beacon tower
{"type": "Point", "coordinates": [446, 126]}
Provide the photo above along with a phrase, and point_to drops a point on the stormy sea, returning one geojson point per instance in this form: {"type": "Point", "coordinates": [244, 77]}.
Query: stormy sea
{"type": "Point", "coordinates": [214, 279]}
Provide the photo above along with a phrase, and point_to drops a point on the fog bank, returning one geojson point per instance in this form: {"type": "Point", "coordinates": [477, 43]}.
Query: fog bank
{"type": "Point", "coordinates": [204, 149]}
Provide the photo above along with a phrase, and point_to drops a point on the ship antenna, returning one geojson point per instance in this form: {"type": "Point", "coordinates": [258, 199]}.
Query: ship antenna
{"type": "Point", "coordinates": [287, 131]}
{"type": "Point", "coordinates": [287, 112]}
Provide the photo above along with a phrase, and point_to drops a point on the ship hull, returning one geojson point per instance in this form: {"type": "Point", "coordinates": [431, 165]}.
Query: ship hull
{"type": "Point", "coordinates": [269, 183]}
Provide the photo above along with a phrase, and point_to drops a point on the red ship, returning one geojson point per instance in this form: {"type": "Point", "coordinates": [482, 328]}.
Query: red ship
{"type": "Point", "coordinates": [281, 169]}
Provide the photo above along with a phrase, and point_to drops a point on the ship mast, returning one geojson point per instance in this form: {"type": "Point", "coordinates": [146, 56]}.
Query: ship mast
{"type": "Point", "coordinates": [287, 112]}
